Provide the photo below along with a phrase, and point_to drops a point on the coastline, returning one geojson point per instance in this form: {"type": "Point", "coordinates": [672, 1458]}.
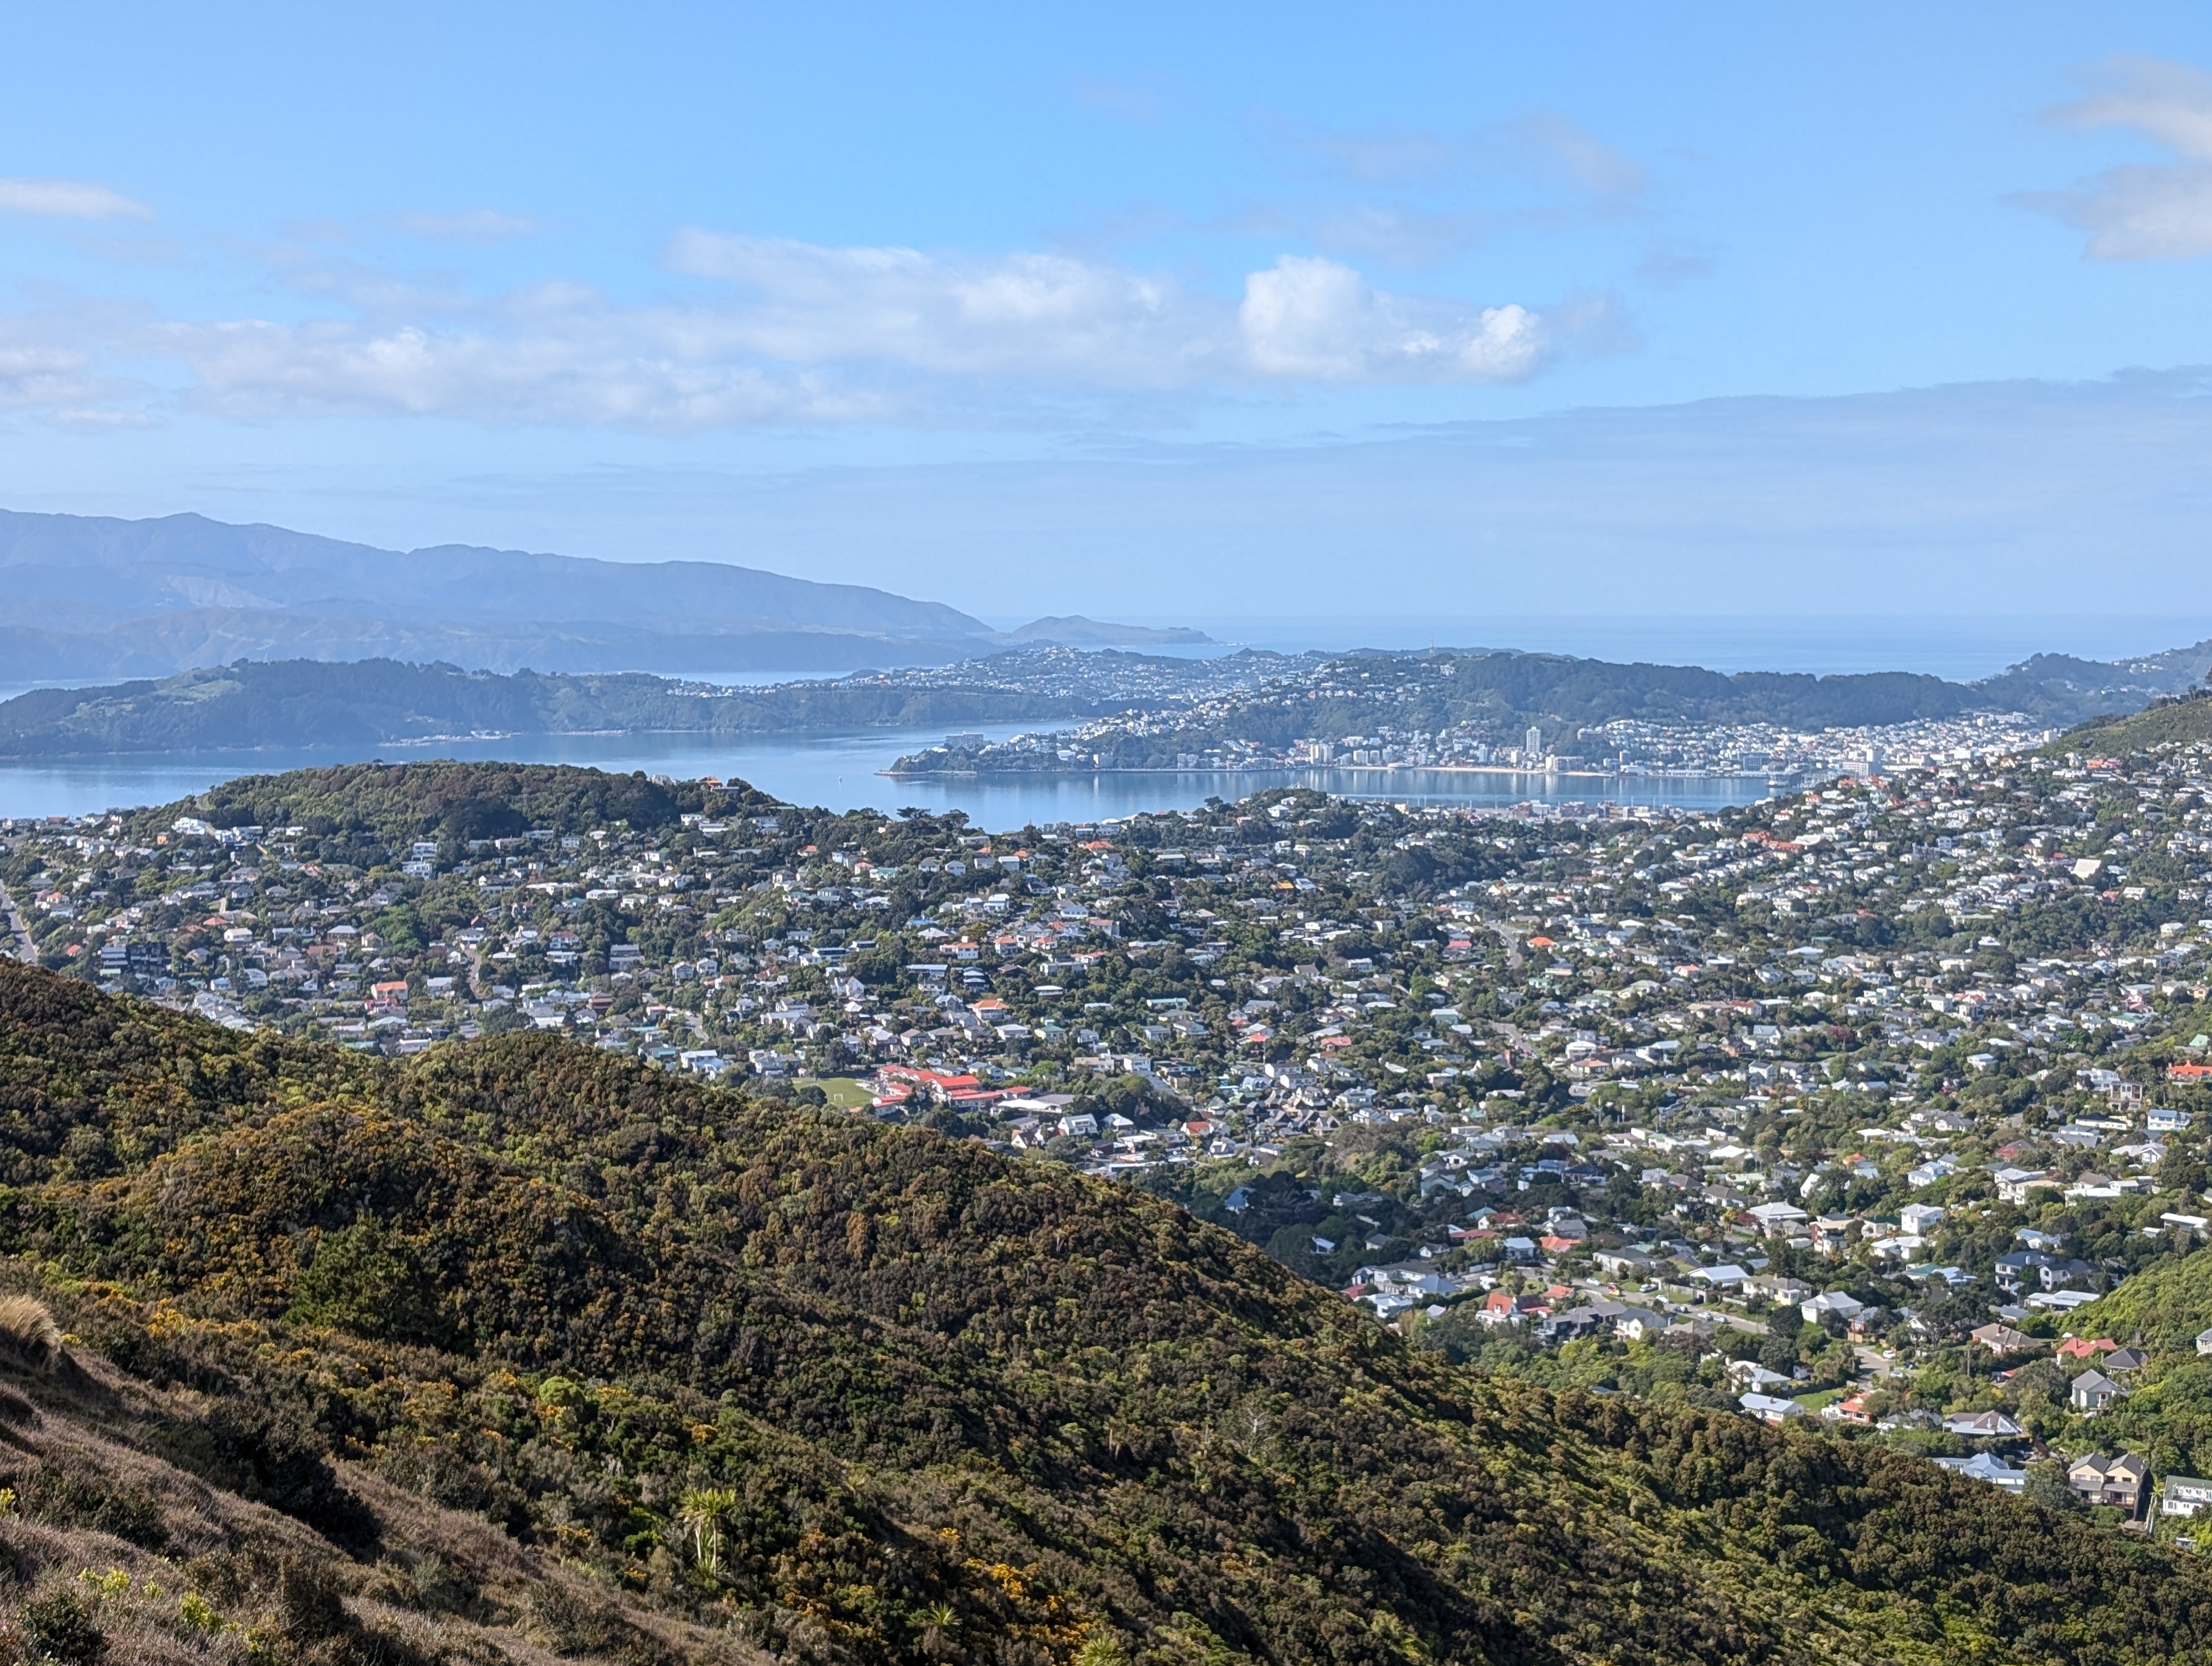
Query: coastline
{"type": "Point", "coordinates": [1505, 771]}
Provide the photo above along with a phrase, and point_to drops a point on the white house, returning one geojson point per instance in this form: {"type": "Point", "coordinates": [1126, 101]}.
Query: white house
{"type": "Point", "coordinates": [1845, 1308]}
{"type": "Point", "coordinates": [1768, 1409]}
{"type": "Point", "coordinates": [1749, 1375]}
{"type": "Point", "coordinates": [2092, 1391]}
{"type": "Point", "coordinates": [1777, 1220]}
{"type": "Point", "coordinates": [1988, 1466]}
{"type": "Point", "coordinates": [2184, 1495]}
{"type": "Point", "coordinates": [1981, 1426]}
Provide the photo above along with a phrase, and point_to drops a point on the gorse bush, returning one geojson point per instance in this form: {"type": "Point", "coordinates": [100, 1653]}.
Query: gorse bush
{"type": "Point", "coordinates": [61, 1626]}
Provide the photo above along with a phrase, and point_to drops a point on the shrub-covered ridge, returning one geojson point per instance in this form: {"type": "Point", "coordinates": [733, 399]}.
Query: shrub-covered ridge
{"type": "Point", "coordinates": [836, 1390]}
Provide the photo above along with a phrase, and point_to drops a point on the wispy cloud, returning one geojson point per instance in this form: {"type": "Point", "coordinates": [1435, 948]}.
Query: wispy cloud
{"type": "Point", "coordinates": [573, 365]}
{"type": "Point", "coordinates": [1407, 237]}
{"type": "Point", "coordinates": [1135, 101]}
{"type": "Point", "coordinates": [1418, 196]}
{"type": "Point", "coordinates": [33, 375]}
{"type": "Point", "coordinates": [1544, 146]}
{"type": "Point", "coordinates": [483, 225]}
{"type": "Point", "coordinates": [133, 248]}
{"type": "Point", "coordinates": [1640, 511]}
{"type": "Point", "coordinates": [2143, 210]}
{"type": "Point", "coordinates": [1600, 170]}
{"type": "Point", "coordinates": [68, 199]}
{"type": "Point", "coordinates": [51, 369]}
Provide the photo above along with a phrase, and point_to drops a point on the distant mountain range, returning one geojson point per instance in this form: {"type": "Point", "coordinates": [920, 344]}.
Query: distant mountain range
{"type": "Point", "coordinates": [87, 596]}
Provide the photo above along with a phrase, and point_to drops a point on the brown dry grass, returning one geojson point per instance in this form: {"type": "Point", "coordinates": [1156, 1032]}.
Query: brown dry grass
{"type": "Point", "coordinates": [27, 1329]}
{"type": "Point", "coordinates": [440, 1588]}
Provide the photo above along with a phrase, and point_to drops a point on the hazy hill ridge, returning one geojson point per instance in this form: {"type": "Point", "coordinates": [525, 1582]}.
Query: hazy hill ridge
{"type": "Point", "coordinates": [91, 596]}
{"type": "Point", "coordinates": [381, 703]}
{"type": "Point", "coordinates": [818, 1387]}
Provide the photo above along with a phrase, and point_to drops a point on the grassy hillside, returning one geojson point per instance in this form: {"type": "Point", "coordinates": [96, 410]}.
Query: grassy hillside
{"type": "Point", "coordinates": [800, 1383]}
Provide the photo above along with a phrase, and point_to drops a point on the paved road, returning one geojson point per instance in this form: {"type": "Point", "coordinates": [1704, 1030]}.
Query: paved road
{"type": "Point", "coordinates": [1511, 938]}
{"type": "Point", "coordinates": [19, 934]}
{"type": "Point", "coordinates": [1741, 1322]}
{"type": "Point", "coordinates": [474, 954]}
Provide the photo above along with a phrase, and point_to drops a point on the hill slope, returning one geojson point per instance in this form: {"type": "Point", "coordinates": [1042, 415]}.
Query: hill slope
{"type": "Point", "coordinates": [847, 1392]}
{"type": "Point", "coordinates": [2069, 690]}
{"type": "Point", "coordinates": [2171, 720]}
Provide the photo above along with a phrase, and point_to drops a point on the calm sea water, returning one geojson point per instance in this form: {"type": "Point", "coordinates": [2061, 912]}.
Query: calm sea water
{"type": "Point", "coordinates": [841, 772]}
{"type": "Point", "coordinates": [1959, 647]}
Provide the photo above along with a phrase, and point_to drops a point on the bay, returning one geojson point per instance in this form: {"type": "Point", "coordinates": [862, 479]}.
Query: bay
{"type": "Point", "coordinates": [841, 772]}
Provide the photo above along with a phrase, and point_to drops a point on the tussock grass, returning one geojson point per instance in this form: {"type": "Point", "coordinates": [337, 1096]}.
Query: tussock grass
{"type": "Point", "coordinates": [112, 1548]}
{"type": "Point", "coordinates": [27, 1329]}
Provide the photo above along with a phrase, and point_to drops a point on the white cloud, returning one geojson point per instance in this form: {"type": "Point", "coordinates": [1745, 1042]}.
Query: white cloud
{"type": "Point", "coordinates": [2149, 210]}
{"type": "Point", "coordinates": [1045, 318]}
{"type": "Point", "coordinates": [1310, 319]}
{"type": "Point", "coordinates": [2143, 213]}
{"type": "Point", "coordinates": [784, 333]}
{"type": "Point", "coordinates": [68, 199]}
{"type": "Point", "coordinates": [1026, 317]}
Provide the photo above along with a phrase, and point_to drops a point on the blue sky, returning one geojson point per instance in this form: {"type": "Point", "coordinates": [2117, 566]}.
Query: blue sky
{"type": "Point", "coordinates": [1232, 310]}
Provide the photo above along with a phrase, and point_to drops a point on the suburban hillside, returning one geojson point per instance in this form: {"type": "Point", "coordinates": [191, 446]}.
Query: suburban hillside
{"type": "Point", "coordinates": [703, 1375]}
{"type": "Point", "coordinates": [1157, 706]}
